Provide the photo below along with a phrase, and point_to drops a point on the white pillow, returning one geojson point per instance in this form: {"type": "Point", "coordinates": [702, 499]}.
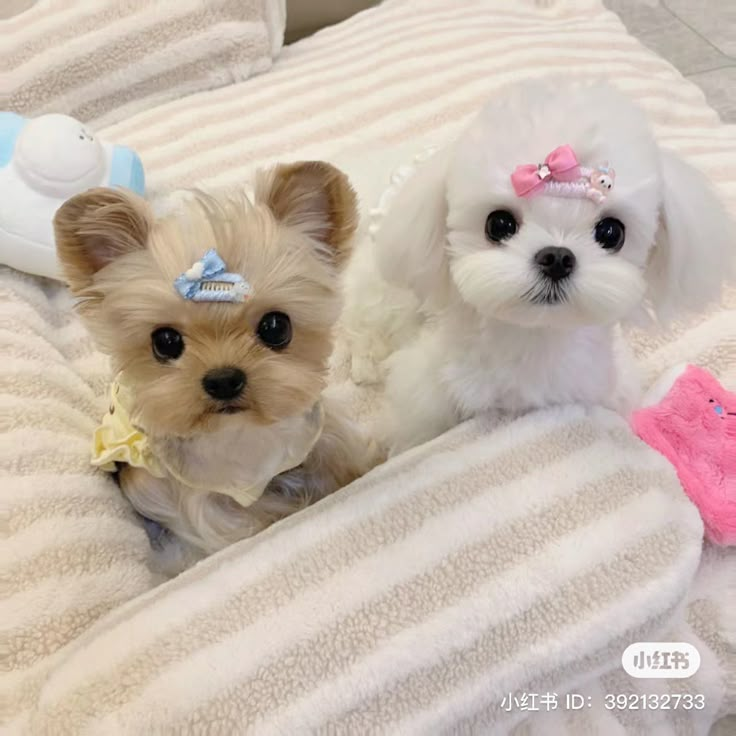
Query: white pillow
{"type": "Point", "coordinates": [100, 62]}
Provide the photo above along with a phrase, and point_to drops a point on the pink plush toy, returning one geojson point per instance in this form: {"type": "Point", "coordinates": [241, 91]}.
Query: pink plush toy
{"type": "Point", "coordinates": [694, 427]}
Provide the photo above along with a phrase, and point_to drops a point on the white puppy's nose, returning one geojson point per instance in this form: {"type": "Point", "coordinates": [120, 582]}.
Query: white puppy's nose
{"type": "Point", "coordinates": [555, 263]}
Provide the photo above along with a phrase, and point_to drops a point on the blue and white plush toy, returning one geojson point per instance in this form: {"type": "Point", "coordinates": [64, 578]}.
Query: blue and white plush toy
{"type": "Point", "coordinates": [43, 162]}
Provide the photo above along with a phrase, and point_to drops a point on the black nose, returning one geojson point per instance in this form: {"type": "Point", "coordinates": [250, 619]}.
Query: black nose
{"type": "Point", "coordinates": [555, 263]}
{"type": "Point", "coordinates": [224, 383]}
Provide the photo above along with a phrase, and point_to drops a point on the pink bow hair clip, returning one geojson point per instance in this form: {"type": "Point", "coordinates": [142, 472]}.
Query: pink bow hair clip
{"type": "Point", "coordinates": [562, 176]}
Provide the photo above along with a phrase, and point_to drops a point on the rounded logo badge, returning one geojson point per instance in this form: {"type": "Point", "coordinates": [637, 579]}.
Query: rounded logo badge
{"type": "Point", "coordinates": [660, 659]}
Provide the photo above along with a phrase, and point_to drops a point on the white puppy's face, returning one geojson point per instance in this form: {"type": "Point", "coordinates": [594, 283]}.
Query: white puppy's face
{"type": "Point", "coordinates": [545, 260]}
{"type": "Point", "coordinates": [457, 230]}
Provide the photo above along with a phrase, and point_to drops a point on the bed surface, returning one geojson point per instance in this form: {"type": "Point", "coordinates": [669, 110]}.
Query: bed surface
{"type": "Point", "coordinates": [415, 600]}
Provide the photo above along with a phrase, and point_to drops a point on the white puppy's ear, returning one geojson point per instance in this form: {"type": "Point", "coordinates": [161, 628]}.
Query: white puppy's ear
{"type": "Point", "coordinates": [410, 244]}
{"type": "Point", "coordinates": [695, 248]}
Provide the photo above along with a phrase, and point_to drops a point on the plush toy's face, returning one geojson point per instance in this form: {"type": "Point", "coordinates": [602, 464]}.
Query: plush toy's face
{"type": "Point", "coordinates": [721, 408]}
{"type": "Point", "coordinates": [697, 409]}
{"type": "Point", "coordinates": [197, 366]}
{"type": "Point", "coordinates": [58, 156]}
{"type": "Point", "coordinates": [707, 407]}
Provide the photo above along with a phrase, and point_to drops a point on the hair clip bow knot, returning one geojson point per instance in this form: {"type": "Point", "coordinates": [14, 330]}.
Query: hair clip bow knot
{"type": "Point", "coordinates": [208, 280]}
{"type": "Point", "coordinates": [560, 165]}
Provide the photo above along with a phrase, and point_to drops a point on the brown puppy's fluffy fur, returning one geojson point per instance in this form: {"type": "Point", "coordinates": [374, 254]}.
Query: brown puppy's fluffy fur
{"type": "Point", "coordinates": [288, 244]}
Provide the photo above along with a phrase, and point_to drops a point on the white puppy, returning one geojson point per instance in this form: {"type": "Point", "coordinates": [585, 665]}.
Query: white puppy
{"type": "Point", "coordinates": [523, 280]}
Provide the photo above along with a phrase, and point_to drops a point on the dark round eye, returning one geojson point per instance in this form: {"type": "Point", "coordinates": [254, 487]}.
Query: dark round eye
{"type": "Point", "coordinates": [274, 329]}
{"type": "Point", "coordinates": [500, 225]}
{"type": "Point", "coordinates": [610, 233]}
{"type": "Point", "coordinates": [167, 344]}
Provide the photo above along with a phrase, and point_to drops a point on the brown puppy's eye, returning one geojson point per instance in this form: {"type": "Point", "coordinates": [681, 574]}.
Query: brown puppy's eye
{"type": "Point", "coordinates": [166, 344]}
{"type": "Point", "coordinates": [274, 330]}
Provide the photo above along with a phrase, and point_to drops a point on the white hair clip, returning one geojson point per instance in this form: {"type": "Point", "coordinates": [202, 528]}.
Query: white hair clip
{"type": "Point", "coordinates": [209, 281]}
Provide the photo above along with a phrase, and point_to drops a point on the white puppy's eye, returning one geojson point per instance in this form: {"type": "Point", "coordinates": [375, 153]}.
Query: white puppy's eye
{"type": "Point", "coordinates": [501, 225]}
{"type": "Point", "coordinates": [610, 233]}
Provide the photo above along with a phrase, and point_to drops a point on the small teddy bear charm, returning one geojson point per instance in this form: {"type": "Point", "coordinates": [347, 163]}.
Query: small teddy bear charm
{"type": "Point", "coordinates": [600, 182]}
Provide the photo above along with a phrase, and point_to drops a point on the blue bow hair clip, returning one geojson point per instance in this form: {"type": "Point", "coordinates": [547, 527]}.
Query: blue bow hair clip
{"type": "Point", "coordinates": [208, 281]}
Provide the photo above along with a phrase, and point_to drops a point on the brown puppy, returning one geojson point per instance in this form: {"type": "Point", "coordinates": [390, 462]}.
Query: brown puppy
{"type": "Point", "coordinates": [226, 426]}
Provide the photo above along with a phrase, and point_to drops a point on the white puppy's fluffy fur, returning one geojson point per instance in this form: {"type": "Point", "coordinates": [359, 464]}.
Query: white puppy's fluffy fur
{"type": "Point", "coordinates": [489, 340]}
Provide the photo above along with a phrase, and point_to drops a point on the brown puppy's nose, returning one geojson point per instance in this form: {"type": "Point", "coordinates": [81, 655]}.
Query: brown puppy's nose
{"type": "Point", "coordinates": [224, 383]}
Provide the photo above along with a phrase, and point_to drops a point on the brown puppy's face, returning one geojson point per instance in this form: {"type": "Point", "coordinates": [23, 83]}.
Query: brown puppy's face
{"type": "Point", "coordinates": [198, 366]}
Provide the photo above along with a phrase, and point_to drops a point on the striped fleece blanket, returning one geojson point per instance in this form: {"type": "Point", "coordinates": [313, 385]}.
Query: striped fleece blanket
{"type": "Point", "coordinates": [103, 61]}
{"type": "Point", "coordinates": [433, 594]}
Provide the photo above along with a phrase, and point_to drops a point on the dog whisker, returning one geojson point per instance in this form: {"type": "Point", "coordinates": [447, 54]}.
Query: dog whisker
{"type": "Point", "coordinates": [546, 292]}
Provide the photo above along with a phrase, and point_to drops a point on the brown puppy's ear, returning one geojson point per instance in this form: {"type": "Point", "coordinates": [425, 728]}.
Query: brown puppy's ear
{"type": "Point", "coordinates": [94, 228]}
{"type": "Point", "coordinates": [314, 197]}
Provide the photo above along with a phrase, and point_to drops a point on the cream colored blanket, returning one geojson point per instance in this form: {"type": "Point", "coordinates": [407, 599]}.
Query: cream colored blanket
{"type": "Point", "coordinates": [492, 562]}
{"type": "Point", "coordinates": [104, 60]}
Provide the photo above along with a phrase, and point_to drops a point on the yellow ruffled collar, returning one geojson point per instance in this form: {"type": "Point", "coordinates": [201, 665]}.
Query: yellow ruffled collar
{"type": "Point", "coordinates": [118, 440]}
